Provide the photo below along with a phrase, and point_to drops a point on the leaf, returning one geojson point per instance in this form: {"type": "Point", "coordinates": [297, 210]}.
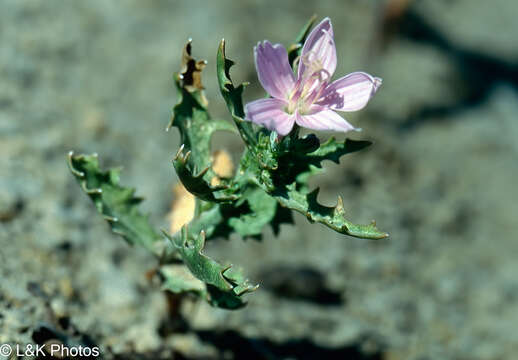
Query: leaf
{"type": "Point", "coordinates": [178, 279]}
{"type": "Point", "coordinates": [332, 217]}
{"type": "Point", "coordinates": [333, 150]}
{"type": "Point", "coordinates": [190, 74]}
{"type": "Point", "coordinates": [262, 211]}
{"type": "Point", "coordinates": [197, 185]}
{"type": "Point", "coordinates": [117, 204]}
{"type": "Point", "coordinates": [233, 96]}
{"type": "Point", "coordinates": [301, 158]}
{"type": "Point", "coordinates": [298, 159]}
{"type": "Point", "coordinates": [196, 128]}
{"type": "Point", "coordinates": [225, 289]}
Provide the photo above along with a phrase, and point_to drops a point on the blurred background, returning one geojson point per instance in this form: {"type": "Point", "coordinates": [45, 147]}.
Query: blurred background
{"type": "Point", "coordinates": [96, 76]}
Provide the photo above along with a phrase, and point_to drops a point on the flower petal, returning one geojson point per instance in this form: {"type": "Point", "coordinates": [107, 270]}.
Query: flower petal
{"type": "Point", "coordinates": [324, 119]}
{"type": "Point", "coordinates": [350, 93]}
{"type": "Point", "coordinates": [319, 45]}
{"type": "Point", "coordinates": [273, 69]}
{"type": "Point", "coordinates": [270, 114]}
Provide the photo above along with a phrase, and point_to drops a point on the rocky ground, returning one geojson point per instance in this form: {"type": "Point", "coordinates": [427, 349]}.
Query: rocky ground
{"type": "Point", "coordinates": [96, 77]}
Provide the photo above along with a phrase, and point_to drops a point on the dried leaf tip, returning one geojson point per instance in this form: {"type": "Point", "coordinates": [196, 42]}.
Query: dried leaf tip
{"type": "Point", "coordinates": [191, 69]}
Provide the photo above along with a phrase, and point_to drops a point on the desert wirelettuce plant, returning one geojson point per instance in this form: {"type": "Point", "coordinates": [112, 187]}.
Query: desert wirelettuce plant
{"type": "Point", "coordinates": [271, 179]}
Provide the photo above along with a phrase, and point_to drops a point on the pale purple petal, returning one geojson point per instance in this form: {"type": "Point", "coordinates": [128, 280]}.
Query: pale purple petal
{"type": "Point", "coordinates": [273, 69]}
{"type": "Point", "coordinates": [270, 113]}
{"type": "Point", "coordinates": [320, 45]}
{"type": "Point", "coordinates": [324, 119]}
{"type": "Point", "coordinates": [350, 93]}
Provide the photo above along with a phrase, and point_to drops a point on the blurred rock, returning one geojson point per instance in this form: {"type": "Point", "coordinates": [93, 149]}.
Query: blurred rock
{"type": "Point", "coordinates": [486, 26]}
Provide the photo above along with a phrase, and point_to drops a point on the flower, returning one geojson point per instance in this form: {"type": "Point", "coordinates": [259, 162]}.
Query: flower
{"type": "Point", "coordinates": [309, 99]}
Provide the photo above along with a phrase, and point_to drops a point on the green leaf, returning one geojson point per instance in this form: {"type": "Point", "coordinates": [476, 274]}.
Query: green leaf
{"type": "Point", "coordinates": [193, 122]}
{"type": "Point", "coordinates": [262, 211]}
{"type": "Point", "coordinates": [196, 183]}
{"type": "Point", "coordinates": [117, 204]}
{"type": "Point", "coordinates": [333, 150]}
{"type": "Point", "coordinates": [196, 128]}
{"type": "Point", "coordinates": [332, 217]}
{"type": "Point", "coordinates": [225, 287]}
{"type": "Point", "coordinates": [298, 159]}
{"type": "Point", "coordinates": [178, 279]}
{"type": "Point", "coordinates": [233, 96]}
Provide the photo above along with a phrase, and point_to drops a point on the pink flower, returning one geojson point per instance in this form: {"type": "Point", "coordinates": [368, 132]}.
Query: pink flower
{"type": "Point", "coordinates": [310, 99]}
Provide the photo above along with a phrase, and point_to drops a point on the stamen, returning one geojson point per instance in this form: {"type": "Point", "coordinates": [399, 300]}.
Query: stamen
{"type": "Point", "coordinates": [312, 65]}
{"type": "Point", "coordinates": [296, 62]}
{"type": "Point", "coordinates": [316, 94]}
{"type": "Point", "coordinates": [309, 85]}
{"type": "Point", "coordinates": [323, 71]}
{"type": "Point", "coordinates": [305, 58]}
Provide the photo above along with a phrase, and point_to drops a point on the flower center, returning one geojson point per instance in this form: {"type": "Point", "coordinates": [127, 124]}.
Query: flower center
{"type": "Point", "coordinates": [309, 86]}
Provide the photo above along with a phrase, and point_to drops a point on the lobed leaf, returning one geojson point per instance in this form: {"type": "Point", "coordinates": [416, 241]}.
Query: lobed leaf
{"type": "Point", "coordinates": [296, 163]}
{"type": "Point", "coordinates": [224, 286]}
{"type": "Point", "coordinates": [178, 279]}
{"type": "Point", "coordinates": [196, 127]}
{"type": "Point", "coordinates": [332, 217]}
{"type": "Point", "coordinates": [233, 96]}
{"type": "Point", "coordinates": [300, 158]}
{"type": "Point", "coordinates": [117, 204]}
{"type": "Point", "coordinates": [262, 211]}
{"type": "Point", "coordinates": [197, 185]}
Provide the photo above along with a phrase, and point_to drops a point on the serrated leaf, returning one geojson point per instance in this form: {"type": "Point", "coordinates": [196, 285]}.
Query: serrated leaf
{"type": "Point", "coordinates": [233, 96]}
{"type": "Point", "coordinates": [224, 291]}
{"type": "Point", "coordinates": [197, 185]}
{"type": "Point", "coordinates": [190, 74]}
{"type": "Point", "coordinates": [298, 161]}
{"type": "Point", "coordinates": [178, 279]}
{"type": "Point", "coordinates": [333, 150]}
{"type": "Point", "coordinates": [117, 204]}
{"type": "Point", "coordinates": [190, 114]}
{"type": "Point", "coordinates": [332, 217]}
{"type": "Point", "coordinates": [303, 157]}
{"type": "Point", "coordinates": [262, 211]}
